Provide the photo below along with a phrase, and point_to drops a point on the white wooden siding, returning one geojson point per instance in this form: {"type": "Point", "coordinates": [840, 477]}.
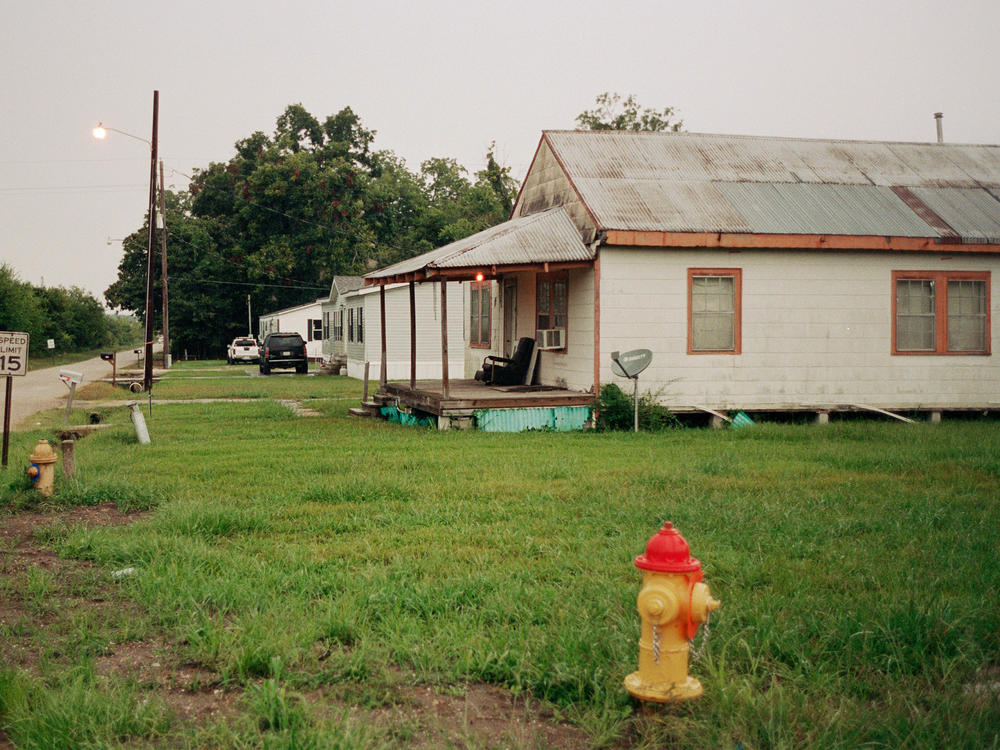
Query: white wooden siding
{"type": "Point", "coordinates": [295, 320]}
{"type": "Point", "coordinates": [572, 368]}
{"type": "Point", "coordinates": [816, 331]}
{"type": "Point", "coordinates": [397, 321]}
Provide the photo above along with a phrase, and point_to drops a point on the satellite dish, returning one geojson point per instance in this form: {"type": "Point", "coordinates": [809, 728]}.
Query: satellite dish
{"type": "Point", "coordinates": [630, 364]}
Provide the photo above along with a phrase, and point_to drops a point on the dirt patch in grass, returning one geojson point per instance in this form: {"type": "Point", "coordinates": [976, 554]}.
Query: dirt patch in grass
{"type": "Point", "coordinates": [485, 716]}
{"type": "Point", "coordinates": [33, 618]}
{"type": "Point", "coordinates": [36, 623]}
{"type": "Point", "coordinates": [193, 694]}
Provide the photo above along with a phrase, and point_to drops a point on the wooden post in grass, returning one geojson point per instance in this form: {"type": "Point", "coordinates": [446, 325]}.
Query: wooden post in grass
{"type": "Point", "coordinates": [69, 458]}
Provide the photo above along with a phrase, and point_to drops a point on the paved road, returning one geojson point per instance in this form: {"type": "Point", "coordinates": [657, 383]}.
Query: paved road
{"type": "Point", "coordinates": [40, 390]}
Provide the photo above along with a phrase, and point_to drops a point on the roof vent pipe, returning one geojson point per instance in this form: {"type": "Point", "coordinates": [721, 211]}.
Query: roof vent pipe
{"type": "Point", "coordinates": [938, 116]}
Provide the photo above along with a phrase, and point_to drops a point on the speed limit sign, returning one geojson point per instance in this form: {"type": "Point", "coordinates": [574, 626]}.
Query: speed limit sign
{"type": "Point", "coordinates": [13, 353]}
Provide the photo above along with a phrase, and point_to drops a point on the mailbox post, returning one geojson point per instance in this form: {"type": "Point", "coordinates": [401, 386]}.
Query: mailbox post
{"type": "Point", "coordinates": [72, 380]}
{"type": "Point", "coordinates": [112, 357]}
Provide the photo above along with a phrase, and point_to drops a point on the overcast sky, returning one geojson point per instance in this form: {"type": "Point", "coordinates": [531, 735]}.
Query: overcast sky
{"type": "Point", "coordinates": [441, 78]}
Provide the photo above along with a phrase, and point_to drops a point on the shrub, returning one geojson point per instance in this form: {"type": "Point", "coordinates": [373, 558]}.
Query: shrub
{"type": "Point", "coordinates": [615, 411]}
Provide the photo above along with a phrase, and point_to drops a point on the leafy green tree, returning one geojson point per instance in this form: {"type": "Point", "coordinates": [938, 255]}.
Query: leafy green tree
{"type": "Point", "coordinates": [614, 113]}
{"type": "Point", "coordinates": [19, 306]}
{"type": "Point", "coordinates": [72, 317]}
{"type": "Point", "coordinates": [290, 210]}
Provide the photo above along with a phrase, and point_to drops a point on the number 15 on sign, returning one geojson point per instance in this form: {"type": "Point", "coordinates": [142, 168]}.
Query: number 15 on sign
{"type": "Point", "coordinates": [13, 353]}
{"type": "Point", "coordinates": [13, 362]}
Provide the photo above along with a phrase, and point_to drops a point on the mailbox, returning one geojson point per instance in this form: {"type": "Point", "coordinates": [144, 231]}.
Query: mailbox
{"type": "Point", "coordinates": [70, 377]}
{"type": "Point", "coordinates": [108, 356]}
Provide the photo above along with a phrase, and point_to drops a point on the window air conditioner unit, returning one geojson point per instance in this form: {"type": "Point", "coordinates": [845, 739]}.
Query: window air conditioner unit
{"type": "Point", "coordinates": [552, 338]}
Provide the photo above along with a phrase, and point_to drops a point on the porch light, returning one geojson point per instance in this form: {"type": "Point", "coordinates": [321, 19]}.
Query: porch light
{"type": "Point", "coordinates": [480, 276]}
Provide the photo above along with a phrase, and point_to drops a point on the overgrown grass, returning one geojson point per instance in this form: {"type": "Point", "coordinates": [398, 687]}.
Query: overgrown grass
{"type": "Point", "coordinates": [858, 565]}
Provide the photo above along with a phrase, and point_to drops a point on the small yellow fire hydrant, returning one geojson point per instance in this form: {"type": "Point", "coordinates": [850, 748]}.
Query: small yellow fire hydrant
{"type": "Point", "coordinates": [43, 467]}
{"type": "Point", "coordinates": [672, 603]}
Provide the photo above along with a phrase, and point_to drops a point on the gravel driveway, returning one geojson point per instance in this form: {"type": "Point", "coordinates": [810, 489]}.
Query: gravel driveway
{"type": "Point", "coordinates": [40, 390]}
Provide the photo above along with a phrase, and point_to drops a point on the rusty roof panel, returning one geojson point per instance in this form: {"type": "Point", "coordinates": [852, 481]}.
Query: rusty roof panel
{"type": "Point", "coordinates": [648, 205]}
{"type": "Point", "coordinates": [973, 214]}
{"type": "Point", "coordinates": [801, 208]}
{"type": "Point", "coordinates": [546, 237]}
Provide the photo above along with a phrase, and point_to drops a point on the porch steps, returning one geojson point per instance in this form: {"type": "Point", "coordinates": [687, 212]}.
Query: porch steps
{"type": "Point", "coordinates": [367, 409]}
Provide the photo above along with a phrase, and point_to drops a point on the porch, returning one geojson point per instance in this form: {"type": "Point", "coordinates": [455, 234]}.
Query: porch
{"type": "Point", "coordinates": [459, 402]}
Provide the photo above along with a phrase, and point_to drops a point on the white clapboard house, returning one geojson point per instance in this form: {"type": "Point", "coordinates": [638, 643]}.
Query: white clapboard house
{"type": "Point", "coordinates": [762, 273]}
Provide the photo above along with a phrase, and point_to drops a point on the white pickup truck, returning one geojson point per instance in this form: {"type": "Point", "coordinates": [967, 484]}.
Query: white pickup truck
{"type": "Point", "coordinates": [243, 350]}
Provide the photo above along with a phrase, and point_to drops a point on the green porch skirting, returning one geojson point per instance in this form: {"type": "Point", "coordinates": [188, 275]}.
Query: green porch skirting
{"type": "Point", "coordinates": [558, 418]}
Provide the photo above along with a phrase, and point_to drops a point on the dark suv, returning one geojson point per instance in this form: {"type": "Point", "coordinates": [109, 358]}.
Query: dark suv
{"type": "Point", "coordinates": [283, 350]}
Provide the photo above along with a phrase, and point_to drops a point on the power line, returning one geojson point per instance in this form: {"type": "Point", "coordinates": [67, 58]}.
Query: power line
{"type": "Point", "coordinates": [253, 284]}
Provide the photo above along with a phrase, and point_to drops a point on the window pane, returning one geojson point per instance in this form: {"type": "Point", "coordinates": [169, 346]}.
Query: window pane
{"type": "Point", "coordinates": [966, 316]}
{"type": "Point", "coordinates": [544, 297]}
{"type": "Point", "coordinates": [915, 317]}
{"type": "Point", "coordinates": [474, 316]}
{"type": "Point", "coordinates": [559, 304]}
{"type": "Point", "coordinates": [712, 332]}
{"type": "Point", "coordinates": [713, 304]}
{"type": "Point", "coordinates": [485, 302]}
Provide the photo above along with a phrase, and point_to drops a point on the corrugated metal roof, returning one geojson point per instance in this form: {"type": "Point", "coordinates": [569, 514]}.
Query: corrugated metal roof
{"type": "Point", "coordinates": [546, 237]}
{"type": "Point", "coordinates": [973, 214]}
{"type": "Point", "coordinates": [804, 208]}
{"type": "Point", "coordinates": [688, 182]}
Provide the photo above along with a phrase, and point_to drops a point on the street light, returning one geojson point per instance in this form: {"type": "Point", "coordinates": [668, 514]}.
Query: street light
{"type": "Point", "coordinates": [101, 132]}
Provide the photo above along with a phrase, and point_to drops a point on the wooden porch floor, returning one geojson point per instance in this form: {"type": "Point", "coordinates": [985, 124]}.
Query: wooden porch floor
{"type": "Point", "coordinates": [466, 396]}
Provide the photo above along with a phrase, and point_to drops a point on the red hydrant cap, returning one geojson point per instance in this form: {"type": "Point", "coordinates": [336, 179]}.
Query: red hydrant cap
{"type": "Point", "coordinates": [667, 552]}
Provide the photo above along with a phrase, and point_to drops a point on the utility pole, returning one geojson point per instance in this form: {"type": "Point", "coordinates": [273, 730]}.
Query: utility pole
{"type": "Point", "coordinates": [163, 273]}
{"type": "Point", "coordinates": [147, 375]}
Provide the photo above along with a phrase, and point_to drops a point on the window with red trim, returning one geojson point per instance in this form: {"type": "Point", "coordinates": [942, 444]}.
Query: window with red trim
{"type": "Point", "coordinates": [715, 310]}
{"type": "Point", "coordinates": [941, 312]}
{"type": "Point", "coordinates": [479, 314]}
{"type": "Point", "coordinates": [551, 308]}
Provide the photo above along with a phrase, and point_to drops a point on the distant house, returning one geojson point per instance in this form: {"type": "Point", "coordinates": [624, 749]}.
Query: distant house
{"type": "Point", "coordinates": [356, 330]}
{"type": "Point", "coordinates": [762, 273]}
{"type": "Point", "coordinates": [305, 320]}
{"type": "Point", "coordinates": [334, 310]}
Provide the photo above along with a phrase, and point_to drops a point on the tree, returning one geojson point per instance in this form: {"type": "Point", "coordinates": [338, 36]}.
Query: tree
{"type": "Point", "coordinates": [71, 317]}
{"type": "Point", "coordinates": [614, 113]}
{"type": "Point", "coordinates": [19, 306]}
{"type": "Point", "coordinates": [289, 211]}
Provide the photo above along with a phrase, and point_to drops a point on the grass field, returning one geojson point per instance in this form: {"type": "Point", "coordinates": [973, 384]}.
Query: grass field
{"type": "Point", "coordinates": [308, 577]}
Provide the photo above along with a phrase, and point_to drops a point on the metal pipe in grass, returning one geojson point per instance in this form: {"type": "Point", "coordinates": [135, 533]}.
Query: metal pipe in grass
{"type": "Point", "coordinates": [139, 422]}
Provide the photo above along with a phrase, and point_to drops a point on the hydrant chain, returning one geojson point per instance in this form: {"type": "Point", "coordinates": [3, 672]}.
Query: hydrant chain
{"type": "Point", "coordinates": [697, 652]}
{"type": "Point", "coordinates": [656, 644]}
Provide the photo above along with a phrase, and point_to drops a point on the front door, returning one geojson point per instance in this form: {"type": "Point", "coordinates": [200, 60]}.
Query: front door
{"type": "Point", "coordinates": [509, 317]}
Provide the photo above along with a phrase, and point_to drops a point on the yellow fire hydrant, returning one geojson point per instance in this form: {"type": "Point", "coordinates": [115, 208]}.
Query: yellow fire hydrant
{"type": "Point", "coordinates": [672, 603]}
{"type": "Point", "coordinates": [43, 467]}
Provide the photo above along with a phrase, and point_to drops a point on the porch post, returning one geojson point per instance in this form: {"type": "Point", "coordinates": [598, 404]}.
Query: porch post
{"type": "Point", "coordinates": [413, 335]}
{"type": "Point", "coordinates": [444, 338]}
{"type": "Point", "coordinates": [383, 376]}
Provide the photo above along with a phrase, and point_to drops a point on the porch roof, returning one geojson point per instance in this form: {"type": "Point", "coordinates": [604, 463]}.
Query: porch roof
{"type": "Point", "coordinates": [546, 238]}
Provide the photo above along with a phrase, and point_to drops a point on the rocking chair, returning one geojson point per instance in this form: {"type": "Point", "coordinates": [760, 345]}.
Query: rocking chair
{"type": "Point", "coordinates": [516, 370]}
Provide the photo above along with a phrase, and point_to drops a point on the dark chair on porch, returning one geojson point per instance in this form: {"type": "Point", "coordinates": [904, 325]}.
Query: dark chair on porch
{"type": "Point", "coordinates": [516, 370]}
